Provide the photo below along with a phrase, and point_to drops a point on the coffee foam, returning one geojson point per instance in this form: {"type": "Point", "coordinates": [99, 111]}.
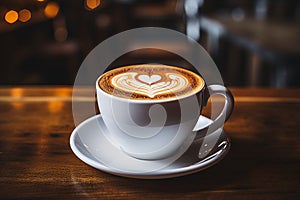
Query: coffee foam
{"type": "Point", "coordinates": [150, 82]}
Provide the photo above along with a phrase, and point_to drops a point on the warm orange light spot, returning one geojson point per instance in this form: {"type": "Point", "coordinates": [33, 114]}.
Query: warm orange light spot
{"type": "Point", "coordinates": [40, 0]}
{"type": "Point", "coordinates": [11, 16]}
{"type": "Point", "coordinates": [17, 93]}
{"type": "Point", "coordinates": [92, 4]}
{"type": "Point", "coordinates": [24, 15]}
{"type": "Point", "coordinates": [56, 106]}
{"type": "Point", "coordinates": [51, 10]}
{"type": "Point", "coordinates": [63, 92]}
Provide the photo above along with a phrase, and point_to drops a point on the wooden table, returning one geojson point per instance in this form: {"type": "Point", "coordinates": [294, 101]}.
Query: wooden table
{"type": "Point", "coordinates": [37, 162]}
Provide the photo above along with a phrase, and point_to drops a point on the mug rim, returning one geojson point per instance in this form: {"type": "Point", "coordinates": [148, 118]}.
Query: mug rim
{"type": "Point", "coordinates": [176, 98]}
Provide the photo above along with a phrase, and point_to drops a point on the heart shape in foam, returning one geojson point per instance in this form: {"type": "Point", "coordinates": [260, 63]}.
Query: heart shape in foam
{"type": "Point", "coordinates": [149, 79]}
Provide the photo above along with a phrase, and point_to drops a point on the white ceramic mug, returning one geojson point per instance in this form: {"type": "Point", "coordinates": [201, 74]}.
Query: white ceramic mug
{"type": "Point", "coordinates": [157, 129]}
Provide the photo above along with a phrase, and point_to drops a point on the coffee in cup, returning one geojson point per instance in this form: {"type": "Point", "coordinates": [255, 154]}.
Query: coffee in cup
{"type": "Point", "coordinates": [150, 110]}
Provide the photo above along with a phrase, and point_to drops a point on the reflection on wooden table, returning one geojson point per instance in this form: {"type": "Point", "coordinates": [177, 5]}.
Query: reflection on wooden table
{"type": "Point", "coordinates": [36, 160]}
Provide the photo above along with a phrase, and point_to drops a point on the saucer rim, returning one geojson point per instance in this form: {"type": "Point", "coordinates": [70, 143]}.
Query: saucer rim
{"type": "Point", "coordinates": [159, 174]}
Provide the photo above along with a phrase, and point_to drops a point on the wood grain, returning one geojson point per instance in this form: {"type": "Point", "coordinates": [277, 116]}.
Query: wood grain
{"type": "Point", "coordinates": [37, 162]}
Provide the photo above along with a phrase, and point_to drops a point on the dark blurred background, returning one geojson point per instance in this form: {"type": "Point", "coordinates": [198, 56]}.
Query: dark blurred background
{"type": "Point", "coordinates": [253, 42]}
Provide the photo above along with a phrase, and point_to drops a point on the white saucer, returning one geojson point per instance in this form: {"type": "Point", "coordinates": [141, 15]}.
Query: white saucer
{"type": "Point", "coordinates": [89, 143]}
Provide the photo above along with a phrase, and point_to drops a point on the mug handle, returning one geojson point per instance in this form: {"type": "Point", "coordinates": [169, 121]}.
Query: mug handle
{"type": "Point", "coordinates": [212, 125]}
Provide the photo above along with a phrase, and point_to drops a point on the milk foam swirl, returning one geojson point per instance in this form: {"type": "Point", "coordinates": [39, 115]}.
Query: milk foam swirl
{"type": "Point", "coordinates": [149, 85]}
{"type": "Point", "coordinates": [150, 81]}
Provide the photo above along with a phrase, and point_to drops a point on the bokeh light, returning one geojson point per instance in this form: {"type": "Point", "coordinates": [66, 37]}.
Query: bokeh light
{"type": "Point", "coordinates": [24, 15]}
{"type": "Point", "coordinates": [51, 9]}
{"type": "Point", "coordinates": [11, 16]}
{"type": "Point", "coordinates": [61, 34]}
{"type": "Point", "coordinates": [92, 4]}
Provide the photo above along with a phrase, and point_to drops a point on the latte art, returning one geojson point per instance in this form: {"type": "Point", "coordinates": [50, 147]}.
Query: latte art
{"type": "Point", "coordinates": [150, 81]}
{"type": "Point", "coordinates": [150, 86]}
